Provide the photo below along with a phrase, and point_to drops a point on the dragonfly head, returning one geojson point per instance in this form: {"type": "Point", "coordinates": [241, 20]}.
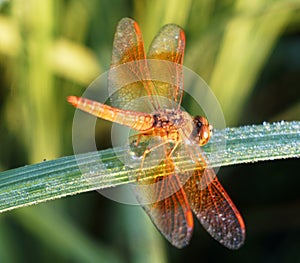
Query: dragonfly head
{"type": "Point", "coordinates": [202, 130]}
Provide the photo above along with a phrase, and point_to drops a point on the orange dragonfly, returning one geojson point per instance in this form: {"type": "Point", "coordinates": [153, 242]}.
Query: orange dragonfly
{"type": "Point", "coordinates": [200, 192]}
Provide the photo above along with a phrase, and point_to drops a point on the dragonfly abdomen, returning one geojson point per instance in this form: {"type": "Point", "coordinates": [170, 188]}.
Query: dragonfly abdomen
{"type": "Point", "coordinates": [136, 120]}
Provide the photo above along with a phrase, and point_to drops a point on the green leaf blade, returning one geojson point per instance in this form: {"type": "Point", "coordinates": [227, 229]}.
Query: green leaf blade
{"type": "Point", "coordinates": [33, 184]}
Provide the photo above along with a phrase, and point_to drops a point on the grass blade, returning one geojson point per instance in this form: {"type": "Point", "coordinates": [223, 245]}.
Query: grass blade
{"type": "Point", "coordinates": [54, 179]}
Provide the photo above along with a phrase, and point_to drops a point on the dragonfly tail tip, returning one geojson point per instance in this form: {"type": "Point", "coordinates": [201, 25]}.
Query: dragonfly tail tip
{"type": "Point", "coordinates": [73, 100]}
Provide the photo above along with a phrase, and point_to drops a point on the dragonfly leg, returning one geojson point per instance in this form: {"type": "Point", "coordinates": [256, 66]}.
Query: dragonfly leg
{"type": "Point", "coordinates": [173, 149]}
{"type": "Point", "coordinates": [140, 135]}
{"type": "Point", "coordinates": [149, 150]}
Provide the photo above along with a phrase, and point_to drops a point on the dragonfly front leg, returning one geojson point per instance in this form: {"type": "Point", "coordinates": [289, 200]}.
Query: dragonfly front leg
{"type": "Point", "coordinates": [168, 153]}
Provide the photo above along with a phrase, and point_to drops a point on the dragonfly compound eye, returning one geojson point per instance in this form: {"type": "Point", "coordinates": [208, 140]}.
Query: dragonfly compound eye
{"type": "Point", "coordinates": [202, 130]}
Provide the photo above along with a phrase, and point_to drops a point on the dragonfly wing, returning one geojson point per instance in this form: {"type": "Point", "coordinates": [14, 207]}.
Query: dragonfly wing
{"type": "Point", "coordinates": [168, 46]}
{"type": "Point", "coordinates": [128, 43]}
{"type": "Point", "coordinates": [214, 209]}
{"type": "Point", "coordinates": [128, 80]}
{"type": "Point", "coordinates": [166, 204]}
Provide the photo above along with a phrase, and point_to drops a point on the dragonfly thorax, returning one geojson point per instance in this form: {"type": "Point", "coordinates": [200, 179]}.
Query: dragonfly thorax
{"type": "Point", "coordinates": [175, 124]}
{"type": "Point", "coordinates": [172, 124]}
{"type": "Point", "coordinates": [168, 119]}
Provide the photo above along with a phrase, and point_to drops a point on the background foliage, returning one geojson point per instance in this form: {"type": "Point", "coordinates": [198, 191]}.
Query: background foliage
{"type": "Point", "coordinates": [248, 52]}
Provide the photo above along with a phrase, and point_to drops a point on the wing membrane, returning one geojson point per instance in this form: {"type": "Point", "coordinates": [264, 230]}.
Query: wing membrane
{"type": "Point", "coordinates": [171, 215]}
{"type": "Point", "coordinates": [168, 45]}
{"type": "Point", "coordinates": [128, 43]}
{"type": "Point", "coordinates": [128, 78]}
{"type": "Point", "coordinates": [215, 210]}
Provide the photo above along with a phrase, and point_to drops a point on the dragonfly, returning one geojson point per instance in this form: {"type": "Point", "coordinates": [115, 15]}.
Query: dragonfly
{"type": "Point", "coordinates": [200, 193]}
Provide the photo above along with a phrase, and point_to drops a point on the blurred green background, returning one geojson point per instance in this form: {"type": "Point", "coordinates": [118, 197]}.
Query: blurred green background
{"type": "Point", "coordinates": [247, 51]}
